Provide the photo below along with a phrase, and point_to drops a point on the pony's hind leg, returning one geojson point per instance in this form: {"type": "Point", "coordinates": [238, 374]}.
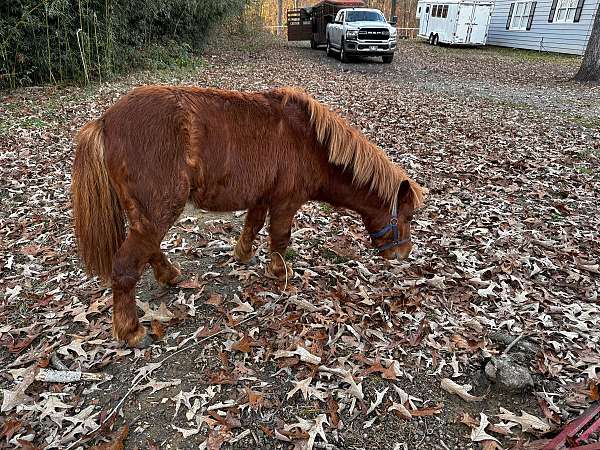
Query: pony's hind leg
{"type": "Point", "coordinates": [164, 271]}
{"type": "Point", "coordinates": [280, 230]}
{"type": "Point", "coordinates": [129, 263]}
{"type": "Point", "coordinates": [255, 219]}
{"type": "Point", "coordinates": [142, 246]}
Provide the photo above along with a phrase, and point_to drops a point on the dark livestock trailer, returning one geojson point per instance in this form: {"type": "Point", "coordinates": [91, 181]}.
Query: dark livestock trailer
{"type": "Point", "coordinates": [310, 23]}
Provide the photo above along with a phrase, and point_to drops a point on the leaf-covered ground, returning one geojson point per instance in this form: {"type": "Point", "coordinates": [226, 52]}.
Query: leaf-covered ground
{"type": "Point", "coordinates": [353, 352]}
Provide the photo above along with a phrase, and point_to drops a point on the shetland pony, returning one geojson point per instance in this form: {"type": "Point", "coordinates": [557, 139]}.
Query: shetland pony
{"type": "Point", "coordinates": [159, 147]}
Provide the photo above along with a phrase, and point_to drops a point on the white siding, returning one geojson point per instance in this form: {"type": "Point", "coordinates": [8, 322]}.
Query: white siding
{"type": "Point", "coordinates": [544, 35]}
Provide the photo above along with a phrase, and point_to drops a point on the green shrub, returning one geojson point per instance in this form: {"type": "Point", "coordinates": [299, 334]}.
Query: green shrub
{"type": "Point", "coordinates": [61, 40]}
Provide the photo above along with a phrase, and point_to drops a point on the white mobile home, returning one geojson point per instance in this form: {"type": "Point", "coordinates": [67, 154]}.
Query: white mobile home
{"type": "Point", "coordinates": [463, 22]}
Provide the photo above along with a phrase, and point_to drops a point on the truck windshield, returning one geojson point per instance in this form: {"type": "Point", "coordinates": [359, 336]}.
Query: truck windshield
{"type": "Point", "coordinates": [367, 16]}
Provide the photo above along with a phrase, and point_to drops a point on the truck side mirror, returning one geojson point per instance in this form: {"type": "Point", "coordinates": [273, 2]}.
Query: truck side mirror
{"type": "Point", "coordinates": [393, 21]}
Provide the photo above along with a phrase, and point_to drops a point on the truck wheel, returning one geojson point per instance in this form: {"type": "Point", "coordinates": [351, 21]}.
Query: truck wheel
{"type": "Point", "coordinates": [436, 39]}
{"type": "Point", "coordinates": [328, 49]}
{"type": "Point", "coordinates": [343, 55]}
{"type": "Point", "coordinates": [387, 59]}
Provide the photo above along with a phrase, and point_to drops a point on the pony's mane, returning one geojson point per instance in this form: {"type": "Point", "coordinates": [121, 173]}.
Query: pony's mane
{"type": "Point", "coordinates": [349, 148]}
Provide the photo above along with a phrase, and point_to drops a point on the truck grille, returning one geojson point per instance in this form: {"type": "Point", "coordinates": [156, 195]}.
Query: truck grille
{"type": "Point", "coordinates": [376, 34]}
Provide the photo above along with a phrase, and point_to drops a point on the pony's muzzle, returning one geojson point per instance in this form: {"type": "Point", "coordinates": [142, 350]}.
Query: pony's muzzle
{"type": "Point", "coordinates": [399, 253]}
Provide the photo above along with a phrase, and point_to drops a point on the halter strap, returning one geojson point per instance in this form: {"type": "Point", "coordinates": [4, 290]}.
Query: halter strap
{"type": "Point", "coordinates": [393, 226]}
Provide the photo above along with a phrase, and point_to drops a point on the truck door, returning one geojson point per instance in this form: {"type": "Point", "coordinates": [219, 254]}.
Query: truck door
{"type": "Point", "coordinates": [463, 23]}
{"type": "Point", "coordinates": [337, 31]}
{"type": "Point", "coordinates": [479, 26]}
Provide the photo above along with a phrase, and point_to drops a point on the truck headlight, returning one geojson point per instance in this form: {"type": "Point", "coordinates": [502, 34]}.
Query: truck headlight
{"type": "Point", "coordinates": [393, 33]}
{"type": "Point", "coordinates": [352, 34]}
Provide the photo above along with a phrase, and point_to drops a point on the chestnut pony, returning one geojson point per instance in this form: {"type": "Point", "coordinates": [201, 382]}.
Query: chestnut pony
{"type": "Point", "coordinates": [265, 152]}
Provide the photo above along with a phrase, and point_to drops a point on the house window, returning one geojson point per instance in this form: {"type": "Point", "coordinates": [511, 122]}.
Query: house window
{"type": "Point", "coordinates": [565, 10]}
{"type": "Point", "coordinates": [520, 17]}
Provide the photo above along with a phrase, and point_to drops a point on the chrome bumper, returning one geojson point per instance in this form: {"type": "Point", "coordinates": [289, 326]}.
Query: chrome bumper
{"type": "Point", "coordinates": [373, 47]}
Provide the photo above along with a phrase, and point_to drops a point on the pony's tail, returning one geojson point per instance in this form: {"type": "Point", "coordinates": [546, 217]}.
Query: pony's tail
{"type": "Point", "coordinates": [98, 215]}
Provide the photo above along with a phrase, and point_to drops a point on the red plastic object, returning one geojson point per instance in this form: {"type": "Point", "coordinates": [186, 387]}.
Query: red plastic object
{"type": "Point", "coordinates": [579, 430]}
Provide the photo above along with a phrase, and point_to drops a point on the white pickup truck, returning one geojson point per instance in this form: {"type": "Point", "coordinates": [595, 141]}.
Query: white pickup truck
{"type": "Point", "coordinates": [361, 31]}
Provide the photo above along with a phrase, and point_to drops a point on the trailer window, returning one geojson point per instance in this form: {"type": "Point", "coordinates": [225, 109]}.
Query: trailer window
{"type": "Point", "coordinates": [434, 12]}
{"type": "Point", "coordinates": [445, 11]}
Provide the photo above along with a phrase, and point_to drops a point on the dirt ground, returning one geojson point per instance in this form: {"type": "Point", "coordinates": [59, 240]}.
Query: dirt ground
{"type": "Point", "coordinates": [353, 352]}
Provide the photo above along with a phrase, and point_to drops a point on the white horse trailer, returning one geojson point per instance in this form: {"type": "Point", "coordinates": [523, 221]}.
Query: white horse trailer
{"type": "Point", "coordinates": [454, 22]}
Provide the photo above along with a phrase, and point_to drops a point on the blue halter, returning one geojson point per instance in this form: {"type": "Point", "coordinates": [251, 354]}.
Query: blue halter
{"type": "Point", "coordinates": [393, 226]}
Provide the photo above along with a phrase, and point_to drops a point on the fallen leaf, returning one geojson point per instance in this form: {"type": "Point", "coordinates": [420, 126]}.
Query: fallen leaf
{"type": "Point", "coordinates": [469, 420]}
{"type": "Point", "coordinates": [17, 396]}
{"type": "Point", "coordinates": [490, 445]}
{"type": "Point", "coordinates": [594, 395]}
{"type": "Point", "coordinates": [430, 411]}
{"type": "Point", "coordinates": [548, 412]}
{"type": "Point", "coordinates": [157, 329]}
{"type": "Point", "coordinates": [9, 428]}
{"type": "Point", "coordinates": [217, 437]}
{"type": "Point", "coordinates": [192, 283]}
{"type": "Point", "coordinates": [332, 409]}
{"type": "Point", "coordinates": [117, 442]}
{"type": "Point", "coordinates": [304, 355]}
{"type": "Point", "coordinates": [400, 410]}
{"type": "Point", "coordinates": [255, 399]}
{"type": "Point", "coordinates": [528, 422]}
{"type": "Point", "coordinates": [162, 314]}
{"type": "Point", "coordinates": [301, 386]}
{"type": "Point", "coordinates": [462, 391]}
{"type": "Point", "coordinates": [244, 345]}
{"type": "Point", "coordinates": [186, 432]}
{"type": "Point", "coordinates": [478, 433]}
{"type": "Point", "coordinates": [215, 299]}
{"type": "Point", "coordinates": [379, 395]}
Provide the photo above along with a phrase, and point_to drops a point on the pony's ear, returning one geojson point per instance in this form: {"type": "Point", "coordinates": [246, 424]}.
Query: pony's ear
{"type": "Point", "coordinates": [404, 192]}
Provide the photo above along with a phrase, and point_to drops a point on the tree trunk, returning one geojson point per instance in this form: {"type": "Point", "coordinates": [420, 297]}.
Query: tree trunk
{"type": "Point", "coordinates": [279, 16]}
{"type": "Point", "coordinates": [590, 67]}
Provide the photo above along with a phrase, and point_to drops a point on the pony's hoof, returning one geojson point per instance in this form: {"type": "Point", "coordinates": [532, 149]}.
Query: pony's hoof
{"type": "Point", "coordinates": [244, 257]}
{"type": "Point", "coordinates": [168, 277]}
{"type": "Point", "coordinates": [279, 272]}
{"type": "Point", "coordinates": [145, 342]}
{"type": "Point", "coordinates": [140, 339]}
{"type": "Point", "coordinates": [178, 278]}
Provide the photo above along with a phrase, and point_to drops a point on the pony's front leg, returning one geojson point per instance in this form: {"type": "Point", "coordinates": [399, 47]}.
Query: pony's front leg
{"type": "Point", "coordinates": [280, 230]}
{"type": "Point", "coordinates": [129, 263]}
{"type": "Point", "coordinates": [255, 219]}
